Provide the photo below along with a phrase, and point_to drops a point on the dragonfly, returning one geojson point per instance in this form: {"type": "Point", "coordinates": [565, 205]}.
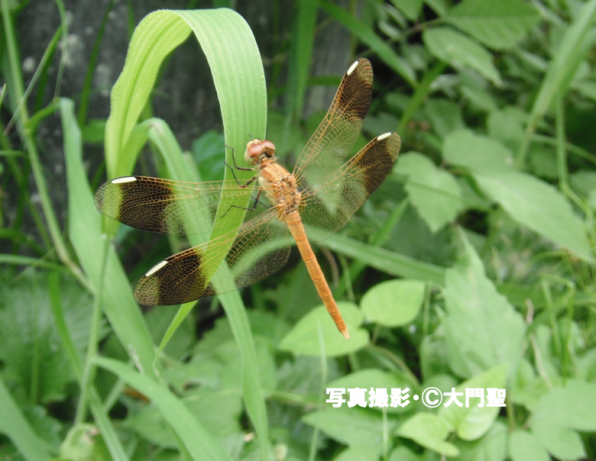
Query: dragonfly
{"type": "Point", "coordinates": [318, 198]}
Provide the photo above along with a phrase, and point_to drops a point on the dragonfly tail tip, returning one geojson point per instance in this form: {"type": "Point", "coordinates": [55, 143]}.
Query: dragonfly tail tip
{"type": "Point", "coordinates": [346, 334]}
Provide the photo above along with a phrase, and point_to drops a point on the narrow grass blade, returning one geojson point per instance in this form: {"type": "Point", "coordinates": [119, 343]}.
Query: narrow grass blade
{"type": "Point", "coordinates": [386, 261]}
{"type": "Point", "coordinates": [196, 439]}
{"type": "Point", "coordinates": [88, 241]}
{"type": "Point", "coordinates": [575, 44]}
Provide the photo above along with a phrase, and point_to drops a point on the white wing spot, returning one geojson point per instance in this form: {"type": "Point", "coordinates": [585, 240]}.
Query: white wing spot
{"type": "Point", "coordinates": [383, 136]}
{"type": "Point", "coordinates": [352, 67]}
{"type": "Point", "coordinates": [124, 179]}
{"type": "Point", "coordinates": [155, 268]}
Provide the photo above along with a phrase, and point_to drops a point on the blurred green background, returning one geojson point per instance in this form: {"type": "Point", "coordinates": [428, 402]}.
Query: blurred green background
{"type": "Point", "coordinates": [470, 267]}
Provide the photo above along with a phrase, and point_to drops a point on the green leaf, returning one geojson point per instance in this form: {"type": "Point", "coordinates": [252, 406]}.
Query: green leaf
{"type": "Point", "coordinates": [30, 347]}
{"type": "Point", "coordinates": [374, 378]}
{"type": "Point", "coordinates": [403, 454]}
{"type": "Point", "coordinates": [430, 431]}
{"type": "Point", "coordinates": [481, 328]}
{"type": "Point", "coordinates": [499, 25]}
{"type": "Point", "coordinates": [357, 427]}
{"type": "Point", "coordinates": [539, 206]}
{"type": "Point", "coordinates": [304, 337]}
{"type": "Point", "coordinates": [434, 192]}
{"type": "Point", "coordinates": [559, 413]}
{"type": "Point", "coordinates": [560, 441]}
{"type": "Point", "coordinates": [472, 421]}
{"type": "Point", "coordinates": [506, 126]}
{"type": "Point", "coordinates": [357, 454]}
{"type": "Point", "coordinates": [571, 406]}
{"type": "Point", "coordinates": [458, 50]}
{"type": "Point", "coordinates": [476, 152]}
{"type": "Point", "coordinates": [529, 201]}
{"type": "Point", "coordinates": [393, 303]}
{"type": "Point", "coordinates": [14, 425]}
{"type": "Point", "coordinates": [411, 8]}
{"type": "Point", "coordinates": [492, 446]}
{"type": "Point", "coordinates": [195, 438]}
{"type": "Point", "coordinates": [524, 446]}
{"type": "Point", "coordinates": [445, 116]}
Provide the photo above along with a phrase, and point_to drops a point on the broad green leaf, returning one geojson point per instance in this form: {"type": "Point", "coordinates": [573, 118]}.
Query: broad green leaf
{"type": "Point", "coordinates": [434, 192]}
{"type": "Point", "coordinates": [538, 206]}
{"type": "Point", "coordinates": [196, 439]}
{"type": "Point", "coordinates": [572, 406]}
{"type": "Point", "coordinates": [411, 8]}
{"type": "Point", "coordinates": [472, 421]}
{"type": "Point", "coordinates": [460, 51]}
{"type": "Point", "coordinates": [524, 446]}
{"type": "Point", "coordinates": [374, 378]}
{"type": "Point", "coordinates": [30, 347]}
{"type": "Point", "coordinates": [304, 338]}
{"type": "Point", "coordinates": [482, 329]}
{"type": "Point", "coordinates": [430, 431]}
{"type": "Point", "coordinates": [506, 126]}
{"type": "Point", "coordinates": [14, 425]}
{"type": "Point", "coordinates": [492, 446]}
{"type": "Point", "coordinates": [529, 201]}
{"type": "Point", "coordinates": [476, 152]}
{"type": "Point", "coordinates": [357, 454]}
{"type": "Point", "coordinates": [357, 427]}
{"type": "Point", "coordinates": [403, 454]}
{"type": "Point", "coordinates": [393, 303]}
{"type": "Point", "coordinates": [440, 6]}
{"type": "Point", "coordinates": [444, 115]}
{"type": "Point", "coordinates": [499, 25]}
{"type": "Point", "coordinates": [560, 441]}
{"type": "Point", "coordinates": [561, 412]}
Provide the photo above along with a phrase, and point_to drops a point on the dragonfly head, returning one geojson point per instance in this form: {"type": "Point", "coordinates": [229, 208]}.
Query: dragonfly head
{"type": "Point", "coordinates": [257, 150]}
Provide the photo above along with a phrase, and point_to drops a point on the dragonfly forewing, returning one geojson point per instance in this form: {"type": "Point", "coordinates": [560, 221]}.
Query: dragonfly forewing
{"type": "Point", "coordinates": [165, 206]}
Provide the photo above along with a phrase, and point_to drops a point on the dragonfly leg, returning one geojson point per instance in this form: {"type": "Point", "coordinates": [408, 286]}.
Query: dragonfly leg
{"type": "Point", "coordinates": [247, 208]}
{"type": "Point", "coordinates": [236, 167]}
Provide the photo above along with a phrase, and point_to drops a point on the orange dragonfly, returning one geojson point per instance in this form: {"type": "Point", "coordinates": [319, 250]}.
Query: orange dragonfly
{"type": "Point", "coordinates": [323, 192]}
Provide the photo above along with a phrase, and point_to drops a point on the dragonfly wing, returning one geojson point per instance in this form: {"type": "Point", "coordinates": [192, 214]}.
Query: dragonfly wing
{"type": "Point", "coordinates": [166, 206]}
{"type": "Point", "coordinates": [330, 144]}
{"type": "Point", "coordinates": [330, 203]}
{"type": "Point", "coordinates": [184, 277]}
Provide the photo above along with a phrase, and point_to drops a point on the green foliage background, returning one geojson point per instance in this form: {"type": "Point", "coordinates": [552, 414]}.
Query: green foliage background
{"type": "Point", "coordinates": [472, 267]}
